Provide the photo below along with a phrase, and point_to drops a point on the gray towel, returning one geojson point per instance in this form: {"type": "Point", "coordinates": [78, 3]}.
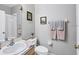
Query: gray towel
{"type": "Point", "coordinates": [60, 25]}
{"type": "Point", "coordinates": [52, 25]}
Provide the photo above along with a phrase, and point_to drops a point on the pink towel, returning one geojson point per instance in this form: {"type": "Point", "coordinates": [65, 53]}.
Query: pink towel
{"type": "Point", "coordinates": [53, 34]}
{"type": "Point", "coordinates": [60, 35]}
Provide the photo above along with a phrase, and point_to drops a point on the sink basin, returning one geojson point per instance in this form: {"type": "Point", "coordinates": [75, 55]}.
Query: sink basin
{"type": "Point", "coordinates": [15, 49]}
{"type": "Point", "coordinates": [9, 50]}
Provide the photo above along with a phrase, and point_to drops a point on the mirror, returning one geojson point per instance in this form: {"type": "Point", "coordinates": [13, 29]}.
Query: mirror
{"type": "Point", "coordinates": [17, 23]}
{"type": "Point", "coordinates": [25, 28]}
{"type": "Point", "coordinates": [17, 11]}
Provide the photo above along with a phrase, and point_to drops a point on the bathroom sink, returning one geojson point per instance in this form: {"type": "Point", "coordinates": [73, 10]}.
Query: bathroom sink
{"type": "Point", "coordinates": [9, 50]}
{"type": "Point", "coordinates": [15, 49]}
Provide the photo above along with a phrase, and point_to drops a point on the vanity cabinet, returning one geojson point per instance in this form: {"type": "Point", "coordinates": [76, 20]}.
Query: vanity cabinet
{"type": "Point", "coordinates": [31, 51]}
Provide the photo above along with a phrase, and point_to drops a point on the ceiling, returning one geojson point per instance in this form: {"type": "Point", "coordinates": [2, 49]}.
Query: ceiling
{"type": "Point", "coordinates": [8, 5]}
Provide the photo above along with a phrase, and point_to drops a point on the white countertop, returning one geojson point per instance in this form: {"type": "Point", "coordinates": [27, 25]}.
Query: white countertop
{"type": "Point", "coordinates": [28, 42]}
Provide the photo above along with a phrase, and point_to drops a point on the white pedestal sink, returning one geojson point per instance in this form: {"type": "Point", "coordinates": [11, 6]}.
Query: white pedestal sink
{"type": "Point", "coordinates": [15, 49]}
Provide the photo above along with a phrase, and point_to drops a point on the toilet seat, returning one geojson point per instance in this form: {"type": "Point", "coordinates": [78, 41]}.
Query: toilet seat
{"type": "Point", "coordinates": [41, 50]}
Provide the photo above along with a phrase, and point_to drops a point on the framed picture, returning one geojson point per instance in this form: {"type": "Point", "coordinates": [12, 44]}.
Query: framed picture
{"type": "Point", "coordinates": [43, 20]}
{"type": "Point", "coordinates": [29, 16]}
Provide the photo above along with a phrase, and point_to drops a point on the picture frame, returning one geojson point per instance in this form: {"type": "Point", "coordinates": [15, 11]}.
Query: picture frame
{"type": "Point", "coordinates": [29, 16]}
{"type": "Point", "coordinates": [43, 20]}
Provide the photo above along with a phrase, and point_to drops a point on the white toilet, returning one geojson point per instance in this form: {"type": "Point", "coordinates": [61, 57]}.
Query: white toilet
{"type": "Point", "coordinates": [41, 50]}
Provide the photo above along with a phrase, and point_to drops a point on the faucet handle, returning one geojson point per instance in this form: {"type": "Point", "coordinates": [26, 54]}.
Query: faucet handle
{"type": "Point", "coordinates": [12, 40]}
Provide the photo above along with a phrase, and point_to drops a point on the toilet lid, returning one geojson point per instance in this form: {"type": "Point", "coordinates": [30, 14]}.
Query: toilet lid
{"type": "Point", "coordinates": [41, 49]}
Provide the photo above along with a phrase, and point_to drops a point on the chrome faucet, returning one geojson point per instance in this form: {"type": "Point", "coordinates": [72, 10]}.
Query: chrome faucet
{"type": "Point", "coordinates": [6, 39]}
{"type": "Point", "coordinates": [12, 42]}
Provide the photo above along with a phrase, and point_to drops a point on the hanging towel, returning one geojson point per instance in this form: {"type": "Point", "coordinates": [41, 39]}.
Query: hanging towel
{"type": "Point", "coordinates": [60, 25]}
{"type": "Point", "coordinates": [53, 35]}
{"type": "Point", "coordinates": [52, 29]}
{"type": "Point", "coordinates": [61, 30]}
{"type": "Point", "coordinates": [60, 35]}
{"type": "Point", "coordinates": [52, 25]}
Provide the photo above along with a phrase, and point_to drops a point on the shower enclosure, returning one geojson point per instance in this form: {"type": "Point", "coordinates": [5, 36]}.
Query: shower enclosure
{"type": "Point", "coordinates": [10, 25]}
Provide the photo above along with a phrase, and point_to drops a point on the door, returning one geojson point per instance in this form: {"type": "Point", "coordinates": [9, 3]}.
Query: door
{"type": "Point", "coordinates": [2, 25]}
{"type": "Point", "coordinates": [77, 23]}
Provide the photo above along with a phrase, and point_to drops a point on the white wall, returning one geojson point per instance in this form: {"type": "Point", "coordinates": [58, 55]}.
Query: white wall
{"type": "Point", "coordinates": [28, 26]}
{"type": "Point", "coordinates": [56, 12]}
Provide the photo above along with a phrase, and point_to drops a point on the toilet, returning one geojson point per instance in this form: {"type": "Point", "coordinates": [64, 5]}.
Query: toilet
{"type": "Point", "coordinates": [41, 50]}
